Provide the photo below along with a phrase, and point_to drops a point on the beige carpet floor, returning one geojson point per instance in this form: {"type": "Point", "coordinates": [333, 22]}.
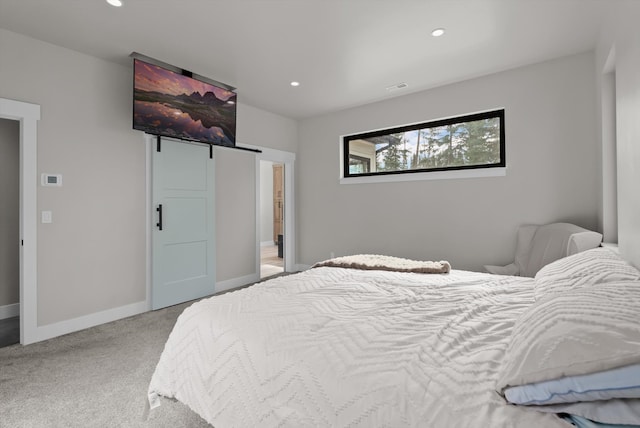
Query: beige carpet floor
{"type": "Point", "coordinates": [93, 378]}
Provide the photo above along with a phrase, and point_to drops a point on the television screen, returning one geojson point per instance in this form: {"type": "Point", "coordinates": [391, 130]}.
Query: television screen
{"type": "Point", "coordinates": [170, 104]}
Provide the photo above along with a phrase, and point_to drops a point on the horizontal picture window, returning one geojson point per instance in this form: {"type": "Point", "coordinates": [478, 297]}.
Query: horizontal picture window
{"type": "Point", "coordinates": [465, 142]}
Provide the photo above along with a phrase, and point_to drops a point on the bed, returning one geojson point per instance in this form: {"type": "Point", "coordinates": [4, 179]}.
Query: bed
{"type": "Point", "coordinates": [346, 347]}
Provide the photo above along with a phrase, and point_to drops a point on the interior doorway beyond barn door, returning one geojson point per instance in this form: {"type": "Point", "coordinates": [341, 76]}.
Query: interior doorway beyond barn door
{"type": "Point", "coordinates": [264, 175]}
{"type": "Point", "coordinates": [271, 215]}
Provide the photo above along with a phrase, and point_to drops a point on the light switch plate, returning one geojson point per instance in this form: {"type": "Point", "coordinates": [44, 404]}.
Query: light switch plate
{"type": "Point", "coordinates": [47, 217]}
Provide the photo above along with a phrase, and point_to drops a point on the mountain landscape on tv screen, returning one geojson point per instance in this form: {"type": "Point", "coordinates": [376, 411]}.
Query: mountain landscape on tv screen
{"type": "Point", "coordinates": [167, 103]}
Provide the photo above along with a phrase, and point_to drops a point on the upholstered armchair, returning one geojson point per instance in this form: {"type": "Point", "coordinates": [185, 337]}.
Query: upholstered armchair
{"type": "Point", "coordinates": [539, 245]}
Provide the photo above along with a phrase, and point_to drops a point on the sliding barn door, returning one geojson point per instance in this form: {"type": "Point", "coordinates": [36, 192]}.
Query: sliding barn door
{"type": "Point", "coordinates": [183, 233]}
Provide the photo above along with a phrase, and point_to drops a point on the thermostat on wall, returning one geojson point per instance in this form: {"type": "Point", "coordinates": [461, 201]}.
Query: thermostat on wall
{"type": "Point", "coordinates": [51, 179]}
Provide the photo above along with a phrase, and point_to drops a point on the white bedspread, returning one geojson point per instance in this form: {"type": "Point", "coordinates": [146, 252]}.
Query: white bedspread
{"type": "Point", "coordinates": [333, 347]}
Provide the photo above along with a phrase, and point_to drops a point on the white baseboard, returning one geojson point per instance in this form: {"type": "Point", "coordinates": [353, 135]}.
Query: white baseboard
{"type": "Point", "coordinates": [236, 282]}
{"type": "Point", "coordinates": [76, 324]}
{"type": "Point", "coordinates": [267, 244]}
{"type": "Point", "coordinates": [9, 311]}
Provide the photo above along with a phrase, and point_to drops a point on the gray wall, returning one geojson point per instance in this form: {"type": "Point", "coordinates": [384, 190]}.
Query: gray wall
{"type": "Point", "coordinates": [265, 129]}
{"type": "Point", "coordinates": [235, 214]}
{"type": "Point", "coordinates": [9, 212]}
{"type": "Point", "coordinates": [92, 257]}
{"type": "Point", "coordinates": [621, 36]}
{"type": "Point", "coordinates": [551, 146]}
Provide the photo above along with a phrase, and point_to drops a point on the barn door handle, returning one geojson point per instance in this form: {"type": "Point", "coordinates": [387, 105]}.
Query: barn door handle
{"type": "Point", "coordinates": [159, 223]}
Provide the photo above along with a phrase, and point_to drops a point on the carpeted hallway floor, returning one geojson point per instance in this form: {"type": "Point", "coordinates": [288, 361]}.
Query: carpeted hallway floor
{"type": "Point", "coordinates": [93, 378]}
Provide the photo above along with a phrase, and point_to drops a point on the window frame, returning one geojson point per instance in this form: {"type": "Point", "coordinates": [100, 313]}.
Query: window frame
{"type": "Point", "coordinates": [363, 159]}
{"type": "Point", "coordinates": [492, 114]}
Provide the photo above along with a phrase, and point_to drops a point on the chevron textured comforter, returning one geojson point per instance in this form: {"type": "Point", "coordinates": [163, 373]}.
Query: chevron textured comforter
{"type": "Point", "coordinates": [334, 347]}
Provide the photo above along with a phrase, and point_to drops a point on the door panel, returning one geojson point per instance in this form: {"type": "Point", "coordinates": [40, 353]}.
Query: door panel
{"type": "Point", "coordinates": [188, 262]}
{"type": "Point", "coordinates": [184, 250]}
{"type": "Point", "coordinates": [184, 219]}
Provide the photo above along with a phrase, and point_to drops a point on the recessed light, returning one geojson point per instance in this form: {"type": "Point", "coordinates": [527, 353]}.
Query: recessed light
{"type": "Point", "coordinates": [437, 32]}
{"type": "Point", "coordinates": [294, 83]}
{"type": "Point", "coordinates": [116, 3]}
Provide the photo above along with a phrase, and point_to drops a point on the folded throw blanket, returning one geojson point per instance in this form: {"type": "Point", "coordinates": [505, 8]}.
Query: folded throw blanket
{"type": "Point", "coordinates": [378, 262]}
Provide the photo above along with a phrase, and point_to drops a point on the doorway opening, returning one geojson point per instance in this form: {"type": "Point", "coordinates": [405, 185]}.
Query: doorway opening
{"type": "Point", "coordinates": [27, 115]}
{"type": "Point", "coordinates": [271, 218]}
{"type": "Point", "coordinates": [9, 232]}
{"type": "Point", "coordinates": [288, 240]}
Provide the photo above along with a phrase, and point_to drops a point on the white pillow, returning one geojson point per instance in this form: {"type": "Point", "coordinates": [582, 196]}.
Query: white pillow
{"type": "Point", "coordinates": [576, 332]}
{"type": "Point", "coordinates": [598, 265]}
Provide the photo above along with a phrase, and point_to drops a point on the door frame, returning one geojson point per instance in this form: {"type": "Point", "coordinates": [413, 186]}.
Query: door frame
{"type": "Point", "coordinates": [288, 160]}
{"type": "Point", "coordinates": [27, 115]}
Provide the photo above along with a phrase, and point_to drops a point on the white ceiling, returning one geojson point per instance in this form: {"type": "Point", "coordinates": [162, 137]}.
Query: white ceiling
{"type": "Point", "coordinates": [344, 52]}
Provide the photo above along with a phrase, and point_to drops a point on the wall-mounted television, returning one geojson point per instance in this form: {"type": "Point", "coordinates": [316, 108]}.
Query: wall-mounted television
{"type": "Point", "coordinates": [175, 104]}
